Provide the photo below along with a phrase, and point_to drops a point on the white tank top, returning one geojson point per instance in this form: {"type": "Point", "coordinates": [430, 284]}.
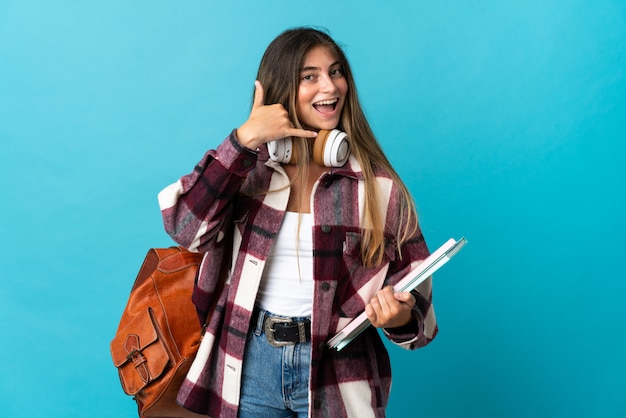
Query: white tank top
{"type": "Point", "coordinates": [287, 283]}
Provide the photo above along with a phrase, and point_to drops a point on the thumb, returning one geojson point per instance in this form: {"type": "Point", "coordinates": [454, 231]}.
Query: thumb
{"type": "Point", "coordinates": [259, 95]}
{"type": "Point", "coordinates": [405, 297]}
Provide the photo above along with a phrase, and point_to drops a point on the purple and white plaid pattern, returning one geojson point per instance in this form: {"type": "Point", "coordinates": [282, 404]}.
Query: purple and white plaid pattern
{"type": "Point", "coordinates": [234, 190]}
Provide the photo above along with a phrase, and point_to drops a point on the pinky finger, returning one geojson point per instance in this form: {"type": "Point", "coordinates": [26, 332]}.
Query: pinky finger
{"type": "Point", "coordinates": [302, 133]}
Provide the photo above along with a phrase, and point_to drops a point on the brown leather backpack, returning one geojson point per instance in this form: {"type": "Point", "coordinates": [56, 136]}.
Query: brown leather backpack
{"type": "Point", "coordinates": [159, 332]}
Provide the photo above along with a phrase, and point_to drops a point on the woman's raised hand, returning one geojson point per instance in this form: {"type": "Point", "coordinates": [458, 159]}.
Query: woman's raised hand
{"type": "Point", "coordinates": [267, 123]}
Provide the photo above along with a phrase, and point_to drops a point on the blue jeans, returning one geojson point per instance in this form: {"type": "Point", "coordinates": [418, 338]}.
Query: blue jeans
{"type": "Point", "coordinates": [275, 381]}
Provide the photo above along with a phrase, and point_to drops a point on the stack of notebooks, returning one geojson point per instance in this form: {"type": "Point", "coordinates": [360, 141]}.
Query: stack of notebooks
{"type": "Point", "coordinates": [409, 282]}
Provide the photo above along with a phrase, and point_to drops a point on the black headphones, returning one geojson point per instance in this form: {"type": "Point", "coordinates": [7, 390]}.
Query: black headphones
{"type": "Point", "coordinates": [331, 149]}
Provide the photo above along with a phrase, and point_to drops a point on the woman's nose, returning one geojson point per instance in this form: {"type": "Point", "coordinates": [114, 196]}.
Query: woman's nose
{"type": "Point", "coordinates": [327, 84]}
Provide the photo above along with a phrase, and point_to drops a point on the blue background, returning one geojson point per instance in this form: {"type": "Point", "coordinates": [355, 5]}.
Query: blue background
{"type": "Point", "coordinates": [505, 118]}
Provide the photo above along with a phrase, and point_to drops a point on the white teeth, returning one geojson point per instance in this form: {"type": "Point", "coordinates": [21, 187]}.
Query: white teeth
{"type": "Point", "coordinates": [326, 102]}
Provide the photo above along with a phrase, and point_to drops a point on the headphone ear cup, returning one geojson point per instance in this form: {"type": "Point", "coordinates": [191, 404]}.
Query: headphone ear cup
{"type": "Point", "coordinates": [318, 147]}
{"type": "Point", "coordinates": [331, 148]}
{"type": "Point", "coordinates": [280, 150]}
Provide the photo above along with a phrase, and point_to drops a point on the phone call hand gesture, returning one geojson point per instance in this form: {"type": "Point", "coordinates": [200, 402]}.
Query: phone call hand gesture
{"type": "Point", "coordinates": [267, 123]}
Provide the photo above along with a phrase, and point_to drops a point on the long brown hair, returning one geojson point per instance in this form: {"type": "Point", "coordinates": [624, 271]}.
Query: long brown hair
{"type": "Point", "coordinates": [279, 73]}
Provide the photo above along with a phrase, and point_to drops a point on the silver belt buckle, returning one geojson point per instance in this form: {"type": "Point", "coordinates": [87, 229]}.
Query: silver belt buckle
{"type": "Point", "coordinates": [269, 330]}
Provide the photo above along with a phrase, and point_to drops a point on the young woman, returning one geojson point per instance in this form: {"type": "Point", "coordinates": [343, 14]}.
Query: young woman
{"type": "Point", "coordinates": [312, 246]}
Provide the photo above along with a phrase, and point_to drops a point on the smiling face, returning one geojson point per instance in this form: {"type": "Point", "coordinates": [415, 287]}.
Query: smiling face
{"type": "Point", "coordinates": [322, 90]}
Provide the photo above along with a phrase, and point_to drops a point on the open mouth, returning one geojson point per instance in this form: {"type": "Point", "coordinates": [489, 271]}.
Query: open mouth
{"type": "Point", "coordinates": [326, 106]}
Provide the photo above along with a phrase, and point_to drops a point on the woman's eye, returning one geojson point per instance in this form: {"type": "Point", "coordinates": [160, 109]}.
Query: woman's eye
{"type": "Point", "coordinates": [337, 72]}
{"type": "Point", "coordinates": [308, 77]}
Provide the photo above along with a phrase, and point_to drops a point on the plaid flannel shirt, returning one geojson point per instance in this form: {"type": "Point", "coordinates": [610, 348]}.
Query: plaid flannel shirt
{"type": "Point", "coordinates": [237, 191]}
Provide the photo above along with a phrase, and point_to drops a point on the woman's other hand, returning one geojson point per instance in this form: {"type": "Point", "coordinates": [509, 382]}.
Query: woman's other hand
{"type": "Point", "coordinates": [389, 309]}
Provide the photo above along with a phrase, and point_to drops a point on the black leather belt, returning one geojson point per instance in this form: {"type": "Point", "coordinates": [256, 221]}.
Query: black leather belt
{"type": "Point", "coordinates": [281, 331]}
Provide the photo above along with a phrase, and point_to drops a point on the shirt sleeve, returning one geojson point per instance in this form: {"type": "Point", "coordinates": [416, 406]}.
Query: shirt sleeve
{"type": "Point", "coordinates": [195, 208]}
{"type": "Point", "coordinates": [422, 328]}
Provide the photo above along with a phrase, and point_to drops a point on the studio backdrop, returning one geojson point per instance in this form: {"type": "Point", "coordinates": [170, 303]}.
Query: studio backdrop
{"type": "Point", "coordinates": [504, 118]}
